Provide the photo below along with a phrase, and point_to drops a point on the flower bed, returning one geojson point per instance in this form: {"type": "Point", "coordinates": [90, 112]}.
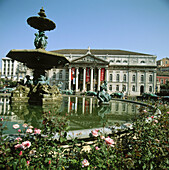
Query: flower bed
{"type": "Point", "coordinates": [144, 146]}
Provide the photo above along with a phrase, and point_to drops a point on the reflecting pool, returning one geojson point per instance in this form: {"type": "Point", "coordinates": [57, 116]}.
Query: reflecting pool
{"type": "Point", "coordinates": [83, 113]}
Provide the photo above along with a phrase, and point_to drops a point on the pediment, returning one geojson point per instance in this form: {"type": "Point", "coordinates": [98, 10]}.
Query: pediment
{"type": "Point", "coordinates": [89, 59]}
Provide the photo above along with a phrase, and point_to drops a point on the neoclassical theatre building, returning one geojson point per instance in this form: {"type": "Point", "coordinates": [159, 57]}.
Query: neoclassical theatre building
{"type": "Point", "coordinates": [130, 72]}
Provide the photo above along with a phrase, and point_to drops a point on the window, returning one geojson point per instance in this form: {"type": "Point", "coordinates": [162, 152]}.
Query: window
{"type": "Point", "coordinates": [142, 61]}
{"type": "Point", "coordinates": [150, 88]}
{"type": "Point", "coordinates": [117, 77]}
{"type": "Point", "coordinates": [111, 77]}
{"type": "Point", "coordinates": [142, 78]}
{"type": "Point", "coordinates": [110, 87]}
{"type": "Point", "coordinates": [60, 74]}
{"type": "Point", "coordinates": [67, 76]}
{"type": "Point", "coordinates": [125, 61]}
{"type": "Point", "coordinates": [150, 78]}
{"type": "Point", "coordinates": [117, 87]}
{"type": "Point", "coordinates": [54, 75]}
{"type": "Point", "coordinates": [124, 88]}
{"type": "Point", "coordinates": [162, 81]}
{"type": "Point", "coordinates": [134, 78]}
{"type": "Point", "coordinates": [118, 61]}
{"type": "Point", "coordinates": [124, 78]}
{"type": "Point", "coordinates": [133, 88]}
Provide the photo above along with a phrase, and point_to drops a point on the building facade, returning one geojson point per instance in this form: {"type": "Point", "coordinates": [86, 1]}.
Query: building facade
{"type": "Point", "coordinates": [14, 70]}
{"type": "Point", "coordinates": [130, 72]}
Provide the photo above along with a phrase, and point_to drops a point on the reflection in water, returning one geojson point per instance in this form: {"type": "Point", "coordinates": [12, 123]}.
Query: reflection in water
{"type": "Point", "coordinates": [83, 112]}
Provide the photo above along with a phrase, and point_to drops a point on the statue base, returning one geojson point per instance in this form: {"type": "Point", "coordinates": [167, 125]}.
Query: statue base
{"type": "Point", "coordinates": [41, 94]}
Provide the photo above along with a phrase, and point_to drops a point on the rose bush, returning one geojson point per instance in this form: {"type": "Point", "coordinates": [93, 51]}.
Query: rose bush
{"type": "Point", "coordinates": [142, 145]}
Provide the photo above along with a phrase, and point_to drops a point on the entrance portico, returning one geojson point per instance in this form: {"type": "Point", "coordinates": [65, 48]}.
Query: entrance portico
{"type": "Point", "coordinates": [87, 73]}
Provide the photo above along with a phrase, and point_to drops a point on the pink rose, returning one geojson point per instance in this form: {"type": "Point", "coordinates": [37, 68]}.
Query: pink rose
{"type": "Point", "coordinates": [49, 162]}
{"type": "Point", "coordinates": [2, 119]}
{"type": "Point", "coordinates": [20, 153]}
{"type": "Point", "coordinates": [152, 117]}
{"type": "Point", "coordinates": [26, 144]}
{"type": "Point", "coordinates": [156, 121]}
{"type": "Point", "coordinates": [145, 111]}
{"type": "Point", "coordinates": [37, 131]}
{"type": "Point", "coordinates": [19, 146]}
{"type": "Point", "coordinates": [109, 141]}
{"type": "Point", "coordinates": [29, 131]}
{"type": "Point", "coordinates": [16, 126]}
{"type": "Point", "coordinates": [18, 139]}
{"type": "Point", "coordinates": [19, 130]}
{"type": "Point", "coordinates": [28, 162]}
{"type": "Point", "coordinates": [85, 163]}
{"type": "Point", "coordinates": [95, 133]}
{"type": "Point", "coordinates": [97, 148]}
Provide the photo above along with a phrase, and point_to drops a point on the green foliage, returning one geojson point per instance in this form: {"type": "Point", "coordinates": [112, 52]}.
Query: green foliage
{"type": "Point", "coordinates": [144, 146]}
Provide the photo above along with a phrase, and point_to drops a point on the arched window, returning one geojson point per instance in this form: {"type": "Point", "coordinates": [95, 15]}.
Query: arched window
{"type": "Point", "coordinates": [110, 77]}
{"type": "Point", "coordinates": [142, 78]}
{"type": "Point", "coordinates": [117, 87]}
{"type": "Point", "coordinates": [124, 78]}
{"type": "Point", "coordinates": [142, 61]}
{"type": "Point", "coordinates": [133, 88]}
{"type": "Point", "coordinates": [110, 87]}
{"type": "Point", "coordinates": [134, 78]}
{"type": "Point", "coordinates": [118, 61]}
{"type": "Point", "coordinates": [117, 77]}
{"type": "Point", "coordinates": [150, 78]}
{"type": "Point", "coordinates": [125, 61]}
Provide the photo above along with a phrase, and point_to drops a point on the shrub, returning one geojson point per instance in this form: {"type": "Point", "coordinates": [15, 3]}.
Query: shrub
{"type": "Point", "coordinates": [144, 145]}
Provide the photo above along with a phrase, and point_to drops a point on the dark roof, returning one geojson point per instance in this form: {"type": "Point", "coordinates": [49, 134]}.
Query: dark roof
{"type": "Point", "coordinates": [98, 52]}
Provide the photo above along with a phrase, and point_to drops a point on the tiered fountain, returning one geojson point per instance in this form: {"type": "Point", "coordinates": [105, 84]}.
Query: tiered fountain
{"type": "Point", "coordinates": [40, 60]}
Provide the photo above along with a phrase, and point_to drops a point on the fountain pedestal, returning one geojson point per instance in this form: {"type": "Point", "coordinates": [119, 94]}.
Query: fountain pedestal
{"type": "Point", "coordinates": [39, 60]}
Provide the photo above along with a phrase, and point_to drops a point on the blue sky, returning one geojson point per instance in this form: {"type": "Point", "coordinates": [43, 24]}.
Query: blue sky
{"type": "Point", "coordinates": [134, 25]}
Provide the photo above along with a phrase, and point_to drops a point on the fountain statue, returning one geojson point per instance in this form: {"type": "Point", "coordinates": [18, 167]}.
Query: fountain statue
{"type": "Point", "coordinates": [39, 60]}
{"type": "Point", "coordinates": [102, 95]}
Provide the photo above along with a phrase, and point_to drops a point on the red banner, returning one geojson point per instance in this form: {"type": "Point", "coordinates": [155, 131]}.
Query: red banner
{"type": "Point", "coordinates": [102, 74]}
{"type": "Point", "coordinates": [87, 74]}
{"type": "Point", "coordinates": [73, 73]}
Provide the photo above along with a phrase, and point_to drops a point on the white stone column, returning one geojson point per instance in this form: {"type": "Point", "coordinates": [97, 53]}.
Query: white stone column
{"type": "Point", "coordinates": [98, 83]}
{"type": "Point", "coordinates": [69, 78]}
{"type": "Point", "coordinates": [6, 69]}
{"type": "Point", "coordinates": [154, 81]}
{"type": "Point", "coordinates": [10, 67]}
{"type": "Point", "coordinates": [91, 79]}
{"type": "Point", "coordinates": [106, 74]}
{"type": "Point", "coordinates": [76, 102]}
{"type": "Point", "coordinates": [77, 79]}
{"type": "Point", "coordinates": [84, 79]}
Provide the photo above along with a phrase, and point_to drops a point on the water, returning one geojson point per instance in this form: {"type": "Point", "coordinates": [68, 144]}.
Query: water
{"type": "Point", "coordinates": [82, 112]}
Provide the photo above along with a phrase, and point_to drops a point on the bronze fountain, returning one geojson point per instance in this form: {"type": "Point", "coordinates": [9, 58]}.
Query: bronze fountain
{"type": "Point", "coordinates": [39, 60]}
